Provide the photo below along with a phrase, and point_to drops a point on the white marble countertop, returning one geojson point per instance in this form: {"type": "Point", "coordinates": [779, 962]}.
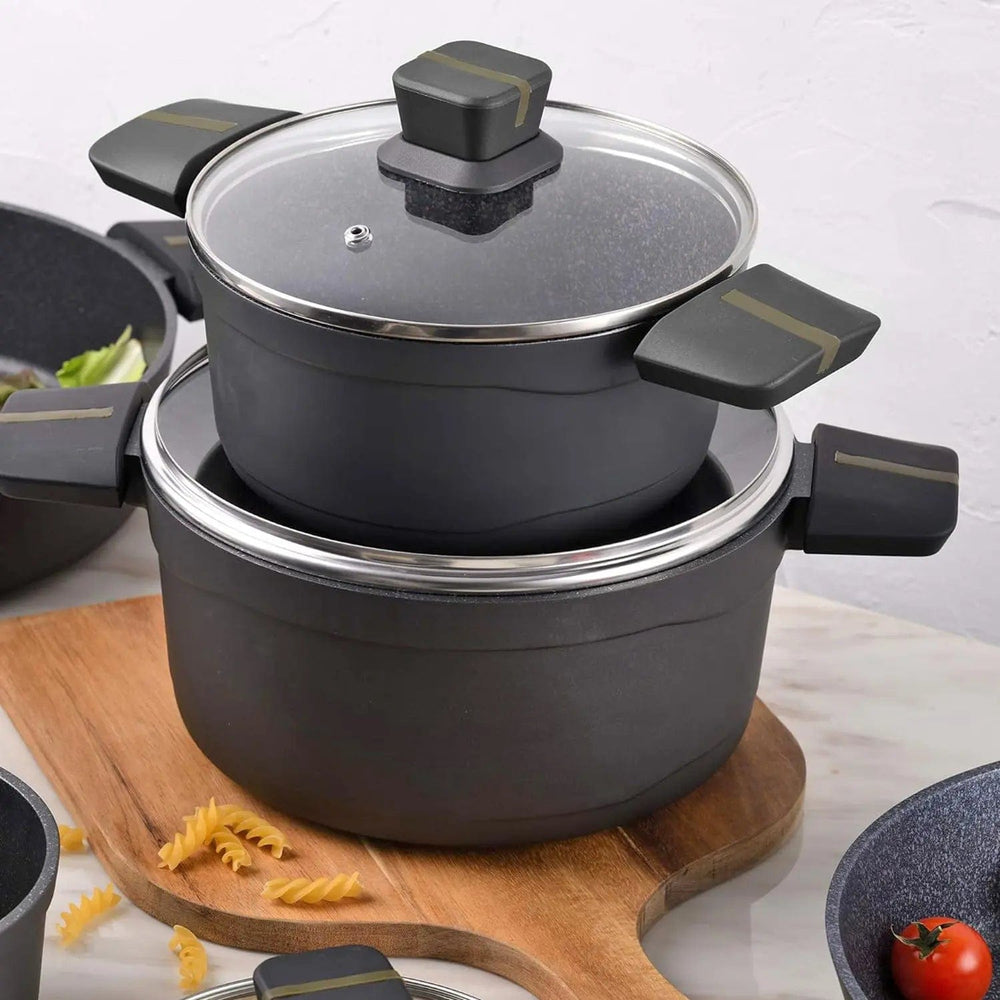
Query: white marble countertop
{"type": "Point", "coordinates": [881, 708]}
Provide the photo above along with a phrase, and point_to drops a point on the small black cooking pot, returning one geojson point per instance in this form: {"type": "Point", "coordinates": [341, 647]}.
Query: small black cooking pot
{"type": "Point", "coordinates": [63, 291]}
{"type": "Point", "coordinates": [29, 858]}
{"type": "Point", "coordinates": [474, 336]}
{"type": "Point", "coordinates": [460, 700]}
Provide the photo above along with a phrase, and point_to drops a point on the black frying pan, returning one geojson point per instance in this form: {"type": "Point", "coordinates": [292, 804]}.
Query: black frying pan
{"type": "Point", "coordinates": [64, 290]}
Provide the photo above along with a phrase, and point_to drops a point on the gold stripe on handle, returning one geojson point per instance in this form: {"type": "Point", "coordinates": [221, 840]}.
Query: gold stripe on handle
{"type": "Point", "coordinates": [490, 74]}
{"type": "Point", "coordinates": [896, 468]}
{"type": "Point", "coordinates": [188, 121]}
{"type": "Point", "coordinates": [821, 338]}
{"type": "Point", "coordinates": [175, 241]}
{"type": "Point", "coordinates": [303, 989]}
{"type": "Point", "coordinates": [37, 416]}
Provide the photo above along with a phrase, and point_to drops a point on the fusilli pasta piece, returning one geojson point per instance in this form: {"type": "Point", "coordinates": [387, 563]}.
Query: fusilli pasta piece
{"type": "Point", "coordinates": [78, 917]}
{"type": "Point", "coordinates": [232, 849]}
{"type": "Point", "coordinates": [192, 957]}
{"type": "Point", "coordinates": [320, 890]}
{"type": "Point", "coordinates": [197, 833]}
{"type": "Point", "coordinates": [252, 827]}
{"type": "Point", "coordinates": [71, 838]}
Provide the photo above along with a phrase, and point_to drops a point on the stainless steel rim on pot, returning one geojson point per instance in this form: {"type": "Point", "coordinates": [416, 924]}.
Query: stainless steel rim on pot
{"type": "Point", "coordinates": [417, 988]}
{"type": "Point", "coordinates": [298, 550]}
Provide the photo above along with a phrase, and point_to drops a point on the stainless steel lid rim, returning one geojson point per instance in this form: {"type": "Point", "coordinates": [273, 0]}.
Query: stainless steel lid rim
{"type": "Point", "coordinates": [358, 355]}
{"type": "Point", "coordinates": [419, 572]}
{"type": "Point", "coordinates": [418, 989]}
{"type": "Point", "coordinates": [745, 218]}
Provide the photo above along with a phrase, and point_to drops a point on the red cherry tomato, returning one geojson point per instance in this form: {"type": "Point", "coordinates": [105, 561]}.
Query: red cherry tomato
{"type": "Point", "coordinates": [941, 959]}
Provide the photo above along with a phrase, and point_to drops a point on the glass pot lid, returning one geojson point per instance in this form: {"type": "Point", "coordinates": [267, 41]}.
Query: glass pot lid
{"type": "Point", "coordinates": [417, 988]}
{"type": "Point", "coordinates": [750, 455]}
{"type": "Point", "coordinates": [309, 217]}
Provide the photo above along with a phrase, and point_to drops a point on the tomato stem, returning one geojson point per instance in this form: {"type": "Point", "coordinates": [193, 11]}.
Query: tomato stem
{"type": "Point", "coordinates": [926, 940]}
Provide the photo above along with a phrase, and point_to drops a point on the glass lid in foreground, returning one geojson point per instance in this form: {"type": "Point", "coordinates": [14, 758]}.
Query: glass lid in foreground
{"type": "Point", "coordinates": [336, 217]}
{"type": "Point", "coordinates": [749, 458]}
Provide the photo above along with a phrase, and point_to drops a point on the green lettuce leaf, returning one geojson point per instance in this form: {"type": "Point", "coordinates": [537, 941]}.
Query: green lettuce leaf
{"type": "Point", "coordinates": [121, 361]}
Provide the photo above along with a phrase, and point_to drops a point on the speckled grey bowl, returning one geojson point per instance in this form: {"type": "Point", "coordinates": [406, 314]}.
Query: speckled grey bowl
{"type": "Point", "coordinates": [29, 857]}
{"type": "Point", "coordinates": [938, 852]}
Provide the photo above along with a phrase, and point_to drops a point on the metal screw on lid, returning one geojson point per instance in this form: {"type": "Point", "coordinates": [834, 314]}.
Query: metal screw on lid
{"type": "Point", "coordinates": [357, 237]}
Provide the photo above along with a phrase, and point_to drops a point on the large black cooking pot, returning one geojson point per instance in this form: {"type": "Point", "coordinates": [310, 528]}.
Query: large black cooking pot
{"type": "Point", "coordinates": [474, 336]}
{"type": "Point", "coordinates": [471, 699]}
{"type": "Point", "coordinates": [63, 291]}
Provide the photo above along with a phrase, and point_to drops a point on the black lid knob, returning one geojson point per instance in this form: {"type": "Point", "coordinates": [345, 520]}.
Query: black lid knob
{"type": "Point", "coordinates": [471, 100]}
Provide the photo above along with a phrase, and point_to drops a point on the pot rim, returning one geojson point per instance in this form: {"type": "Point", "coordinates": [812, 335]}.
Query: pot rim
{"type": "Point", "coordinates": [44, 885]}
{"type": "Point", "coordinates": [745, 218]}
{"type": "Point", "coordinates": [345, 562]}
{"type": "Point", "coordinates": [243, 989]}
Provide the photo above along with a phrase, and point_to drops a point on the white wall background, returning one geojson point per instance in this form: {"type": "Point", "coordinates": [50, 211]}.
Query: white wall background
{"type": "Point", "coordinates": [869, 129]}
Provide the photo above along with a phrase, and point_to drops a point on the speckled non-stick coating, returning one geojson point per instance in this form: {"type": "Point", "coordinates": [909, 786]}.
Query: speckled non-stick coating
{"type": "Point", "coordinates": [936, 853]}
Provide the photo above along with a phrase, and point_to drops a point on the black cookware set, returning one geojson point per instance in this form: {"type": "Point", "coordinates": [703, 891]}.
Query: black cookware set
{"type": "Point", "coordinates": [468, 520]}
{"type": "Point", "coordinates": [469, 516]}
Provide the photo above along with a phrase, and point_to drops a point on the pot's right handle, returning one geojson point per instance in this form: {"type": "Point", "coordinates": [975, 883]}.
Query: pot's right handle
{"type": "Point", "coordinates": [69, 445]}
{"type": "Point", "coordinates": [157, 156]}
{"type": "Point", "coordinates": [874, 495]}
{"type": "Point", "coordinates": [754, 339]}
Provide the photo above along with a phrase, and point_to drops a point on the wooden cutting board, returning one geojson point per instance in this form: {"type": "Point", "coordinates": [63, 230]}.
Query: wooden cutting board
{"type": "Point", "coordinates": [89, 691]}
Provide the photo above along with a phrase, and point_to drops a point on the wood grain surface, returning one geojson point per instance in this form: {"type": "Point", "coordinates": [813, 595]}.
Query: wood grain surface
{"type": "Point", "coordinates": [90, 693]}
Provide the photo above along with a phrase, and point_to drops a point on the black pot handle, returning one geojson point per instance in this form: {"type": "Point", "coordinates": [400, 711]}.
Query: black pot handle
{"type": "Point", "coordinates": [754, 340]}
{"type": "Point", "coordinates": [157, 156]}
{"type": "Point", "coordinates": [874, 495]}
{"type": "Point", "coordinates": [69, 445]}
{"type": "Point", "coordinates": [166, 245]}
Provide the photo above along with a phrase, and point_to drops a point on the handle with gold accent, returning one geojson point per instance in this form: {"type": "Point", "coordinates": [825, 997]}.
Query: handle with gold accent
{"type": "Point", "coordinates": [69, 445]}
{"type": "Point", "coordinates": [157, 156]}
{"type": "Point", "coordinates": [325, 974]}
{"type": "Point", "coordinates": [874, 495]}
{"type": "Point", "coordinates": [754, 340]}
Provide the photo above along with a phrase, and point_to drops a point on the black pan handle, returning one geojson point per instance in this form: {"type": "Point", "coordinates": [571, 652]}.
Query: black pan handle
{"type": "Point", "coordinates": [874, 495]}
{"type": "Point", "coordinates": [69, 445]}
{"type": "Point", "coordinates": [157, 156]}
{"type": "Point", "coordinates": [166, 245]}
{"type": "Point", "coordinates": [754, 340]}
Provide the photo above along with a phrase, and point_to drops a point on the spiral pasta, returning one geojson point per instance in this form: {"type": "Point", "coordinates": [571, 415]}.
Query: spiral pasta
{"type": "Point", "coordinates": [320, 890]}
{"type": "Point", "coordinates": [232, 849]}
{"type": "Point", "coordinates": [71, 838]}
{"type": "Point", "coordinates": [197, 833]}
{"type": "Point", "coordinates": [78, 917]}
{"type": "Point", "coordinates": [192, 957]}
{"type": "Point", "coordinates": [252, 827]}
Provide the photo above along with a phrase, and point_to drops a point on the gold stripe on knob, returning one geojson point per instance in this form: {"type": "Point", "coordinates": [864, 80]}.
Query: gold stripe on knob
{"type": "Point", "coordinates": [490, 74]}
{"type": "Point", "coordinates": [321, 985]}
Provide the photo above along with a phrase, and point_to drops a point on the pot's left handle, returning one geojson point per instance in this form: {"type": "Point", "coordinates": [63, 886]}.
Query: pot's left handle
{"type": "Point", "coordinates": [754, 340]}
{"type": "Point", "coordinates": [873, 495]}
{"type": "Point", "coordinates": [166, 244]}
{"type": "Point", "coordinates": [69, 445]}
{"type": "Point", "coordinates": [157, 156]}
